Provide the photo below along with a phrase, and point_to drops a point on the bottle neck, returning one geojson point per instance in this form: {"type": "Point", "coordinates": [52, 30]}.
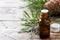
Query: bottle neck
{"type": "Point", "coordinates": [44, 15]}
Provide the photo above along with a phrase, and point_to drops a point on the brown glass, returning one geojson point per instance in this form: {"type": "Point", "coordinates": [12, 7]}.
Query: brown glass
{"type": "Point", "coordinates": [44, 26]}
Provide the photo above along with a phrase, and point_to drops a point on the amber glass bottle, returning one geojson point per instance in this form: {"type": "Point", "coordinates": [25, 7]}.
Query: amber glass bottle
{"type": "Point", "coordinates": [44, 25]}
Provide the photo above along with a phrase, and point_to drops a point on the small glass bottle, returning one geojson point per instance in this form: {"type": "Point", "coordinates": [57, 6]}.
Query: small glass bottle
{"type": "Point", "coordinates": [44, 25]}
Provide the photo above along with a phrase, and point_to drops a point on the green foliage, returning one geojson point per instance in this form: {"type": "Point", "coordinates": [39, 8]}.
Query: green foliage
{"type": "Point", "coordinates": [57, 20]}
{"type": "Point", "coordinates": [36, 4]}
{"type": "Point", "coordinates": [31, 21]}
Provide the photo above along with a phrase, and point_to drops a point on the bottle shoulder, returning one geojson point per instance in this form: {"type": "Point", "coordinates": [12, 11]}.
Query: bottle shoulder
{"type": "Point", "coordinates": [45, 21]}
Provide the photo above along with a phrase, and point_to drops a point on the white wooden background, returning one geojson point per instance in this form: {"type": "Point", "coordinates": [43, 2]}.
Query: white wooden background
{"type": "Point", "coordinates": [10, 14]}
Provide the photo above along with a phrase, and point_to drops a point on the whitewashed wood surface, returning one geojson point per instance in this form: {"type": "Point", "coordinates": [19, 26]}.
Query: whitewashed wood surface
{"type": "Point", "coordinates": [10, 14]}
